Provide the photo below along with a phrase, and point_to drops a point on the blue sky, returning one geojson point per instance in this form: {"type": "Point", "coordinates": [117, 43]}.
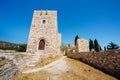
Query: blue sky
{"type": "Point", "coordinates": [98, 19]}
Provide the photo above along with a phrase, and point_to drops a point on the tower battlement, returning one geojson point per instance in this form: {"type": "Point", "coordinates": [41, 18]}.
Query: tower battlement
{"type": "Point", "coordinates": [45, 12]}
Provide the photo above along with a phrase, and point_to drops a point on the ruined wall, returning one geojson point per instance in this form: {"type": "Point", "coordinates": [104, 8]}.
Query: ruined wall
{"type": "Point", "coordinates": [107, 61]}
{"type": "Point", "coordinates": [44, 26]}
{"type": "Point", "coordinates": [13, 65]}
{"type": "Point", "coordinates": [82, 45]}
{"type": "Point", "coordinates": [16, 62]}
{"type": "Point", "coordinates": [8, 71]}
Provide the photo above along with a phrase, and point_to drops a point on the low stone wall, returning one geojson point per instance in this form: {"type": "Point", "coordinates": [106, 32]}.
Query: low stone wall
{"type": "Point", "coordinates": [17, 61]}
{"type": "Point", "coordinates": [107, 61]}
{"type": "Point", "coordinates": [8, 70]}
{"type": "Point", "coordinates": [7, 51]}
{"type": "Point", "coordinates": [12, 67]}
{"type": "Point", "coordinates": [17, 58]}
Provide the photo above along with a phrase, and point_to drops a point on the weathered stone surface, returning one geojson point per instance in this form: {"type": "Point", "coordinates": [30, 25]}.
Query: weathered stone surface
{"type": "Point", "coordinates": [8, 71]}
{"type": "Point", "coordinates": [44, 27]}
{"type": "Point", "coordinates": [70, 46]}
{"type": "Point", "coordinates": [82, 45]}
{"type": "Point", "coordinates": [14, 64]}
{"type": "Point", "coordinates": [107, 61]}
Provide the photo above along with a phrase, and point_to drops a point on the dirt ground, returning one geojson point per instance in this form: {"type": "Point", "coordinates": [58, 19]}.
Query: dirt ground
{"type": "Point", "coordinates": [64, 69]}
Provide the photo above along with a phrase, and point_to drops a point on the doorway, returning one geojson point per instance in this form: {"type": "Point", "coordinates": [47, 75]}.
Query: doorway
{"type": "Point", "coordinates": [41, 44]}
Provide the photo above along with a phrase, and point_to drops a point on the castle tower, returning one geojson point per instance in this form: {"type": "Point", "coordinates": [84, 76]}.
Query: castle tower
{"type": "Point", "coordinates": [44, 34]}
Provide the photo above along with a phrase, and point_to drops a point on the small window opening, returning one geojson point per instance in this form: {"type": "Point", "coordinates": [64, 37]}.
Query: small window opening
{"type": "Point", "coordinates": [44, 21]}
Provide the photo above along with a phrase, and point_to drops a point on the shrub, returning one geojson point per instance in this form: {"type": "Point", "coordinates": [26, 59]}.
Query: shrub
{"type": "Point", "coordinates": [22, 47]}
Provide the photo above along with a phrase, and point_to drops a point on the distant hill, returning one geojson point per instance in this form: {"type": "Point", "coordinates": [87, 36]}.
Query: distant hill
{"type": "Point", "coordinates": [4, 45]}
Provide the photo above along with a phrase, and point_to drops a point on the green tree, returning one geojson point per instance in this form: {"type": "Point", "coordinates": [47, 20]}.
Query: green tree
{"type": "Point", "coordinates": [100, 47]}
{"type": "Point", "coordinates": [105, 48]}
{"type": "Point", "coordinates": [76, 37]}
{"type": "Point", "coordinates": [112, 46]}
{"type": "Point", "coordinates": [91, 45]}
{"type": "Point", "coordinates": [22, 47]}
{"type": "Point", "coordinates": [96, 45]}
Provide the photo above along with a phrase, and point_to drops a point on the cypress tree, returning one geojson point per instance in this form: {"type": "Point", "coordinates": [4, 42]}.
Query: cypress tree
{"type": "Point", "coordinates": [91, 45]}
{"type": "Point", "coordinates": [96, 45]}
{"type": "Point", "coordinates": [76, 37]}
{"type": "Point", "coordinates": [105, 48]}
{"type": "Point", "coordinates": [100, 47]}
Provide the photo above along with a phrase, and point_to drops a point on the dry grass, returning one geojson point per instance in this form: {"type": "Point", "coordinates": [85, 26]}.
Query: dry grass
{"type": "Point", "coordinates": [47, 61]}
{"type": "Point", "coordinates": [76, 71]}
{"type": "Point", "coordinates": [87, 72]}
{"type": "Point", "coordinates": [42, 75]}
{"type": "Point", "coordinates": [2, 62]}
{"type": "Point", "coordinates": [42, 63]}
{"type": "Point", "coordinates": [71, 75]}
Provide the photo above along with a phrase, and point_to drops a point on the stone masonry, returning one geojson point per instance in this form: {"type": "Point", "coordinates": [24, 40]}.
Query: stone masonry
{"type": "Point", "coordinates": [82, 45]}
{"type": "Point", "coordinates": [44, 36]}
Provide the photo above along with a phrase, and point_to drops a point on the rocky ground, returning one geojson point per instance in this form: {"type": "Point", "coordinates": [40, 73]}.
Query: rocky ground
{"type": "Point", "coordinates": [64, 69]}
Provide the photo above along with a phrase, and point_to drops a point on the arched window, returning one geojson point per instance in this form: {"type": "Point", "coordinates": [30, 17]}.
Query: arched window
{"type": "Point", "coordinates": [41, 44]}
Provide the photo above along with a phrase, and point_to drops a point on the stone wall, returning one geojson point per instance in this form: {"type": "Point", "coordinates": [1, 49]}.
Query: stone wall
{"type": "Point", "coordinates": [16, 62]}
{"type": "Point", "coordinates": [13, 65]}
{"type": "Point", "coordinates": [7, 51]}
{"type": "Point", "coordinates": [107, 61]}
{"type": "Point", "coordinates": [82, 45]}
{"type": "Point", "coordinates": [9, 70]}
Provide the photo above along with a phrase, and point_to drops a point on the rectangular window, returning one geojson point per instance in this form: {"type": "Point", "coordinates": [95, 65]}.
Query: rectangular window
{"type": "Point", "coordinates": [44, 21]}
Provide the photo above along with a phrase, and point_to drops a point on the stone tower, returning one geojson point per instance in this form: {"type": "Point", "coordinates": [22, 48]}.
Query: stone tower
{"type": "Point", "coordinates": [44, 36]}
{"type": "Point", "coordinates": [82, 45]}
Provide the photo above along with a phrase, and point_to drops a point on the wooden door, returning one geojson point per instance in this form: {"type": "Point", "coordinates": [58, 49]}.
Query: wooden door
{"type": "Point", "coordinates": [42, 45]}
